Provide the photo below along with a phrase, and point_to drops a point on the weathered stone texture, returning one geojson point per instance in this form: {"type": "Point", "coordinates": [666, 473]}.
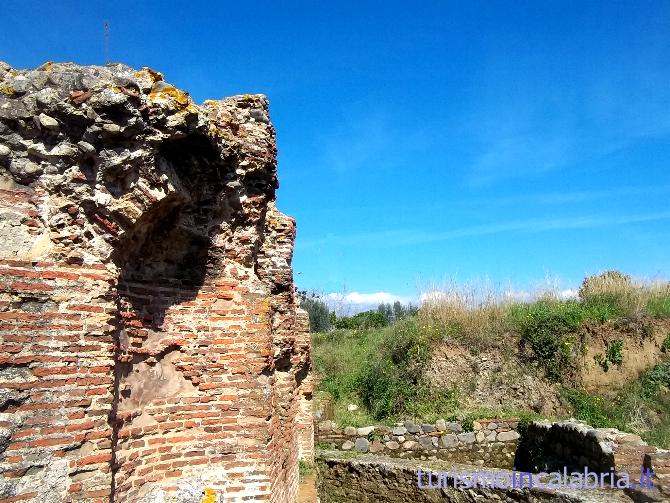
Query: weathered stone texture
{"type": "Point", "coordinates": [151, 342]}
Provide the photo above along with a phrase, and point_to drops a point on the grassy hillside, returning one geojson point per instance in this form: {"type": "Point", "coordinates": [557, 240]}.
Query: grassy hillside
{"type": "Point", "coordinates": [383, 369]}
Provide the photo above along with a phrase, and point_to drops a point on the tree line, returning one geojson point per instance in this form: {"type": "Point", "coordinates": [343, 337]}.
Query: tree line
{"type": "Point", "coordinates": [322, 319]}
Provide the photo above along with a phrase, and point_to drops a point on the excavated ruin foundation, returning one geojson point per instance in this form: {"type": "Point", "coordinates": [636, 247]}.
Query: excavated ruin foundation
{"type": "Point", "coordinates": [152, 348]}
{"type": "Point", "coordinates": [617, 467]}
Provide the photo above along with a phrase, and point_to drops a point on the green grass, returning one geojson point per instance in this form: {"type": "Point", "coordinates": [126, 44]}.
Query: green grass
{"type": "Point", "coordinates": [338, 356]}
{"type": "Point", "coordinates": [659, 306]}
{"type": "Point", "coordinates": [381, 370]}
{"type": "Point", "coordinates": [304, 469]}
{"type": "Point", "coordinates": [390, 380]}
{"type": "Point", "coordinates": [642, 407]}
{"type": "Point", "coordinates": [666, 343]}
{"type": "Point", "coordinates": [589, 408]}
{"type": "Point", "coordinates": [550, 327]}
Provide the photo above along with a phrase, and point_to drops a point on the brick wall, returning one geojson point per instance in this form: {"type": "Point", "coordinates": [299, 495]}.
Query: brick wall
{"type": "Point", "coordinates": [56, 366]}
{"type": "Point", "coordinates": [659, 463]}
{"type": "Point", "coordinates": [304, 420]}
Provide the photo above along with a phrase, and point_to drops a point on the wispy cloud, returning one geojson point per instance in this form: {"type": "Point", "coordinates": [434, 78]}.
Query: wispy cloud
{"type": "Point", "coordinates": [371, 137]}
{"type": "Point", "coordinates": [560, 198]}
{"type": "Point", "coordinates": [544, 122]}
{"type": "Point", "coordinates": [482, 205]}
{"type": "Point", "coordinates": [366, 298]}
{"type": "Point", "coordinates": [358, 142]}
{"type": "Point", "coordinates": [405, 237]}
{"type": "Point", "coordinates": [515, 156]}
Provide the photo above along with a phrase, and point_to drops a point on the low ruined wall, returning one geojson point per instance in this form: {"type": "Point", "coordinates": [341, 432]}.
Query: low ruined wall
{"type": "Point", "coordinates": [374, 479]}
{"type": "Point", "coordinates": [575, 445]}
{"type": "Point", "coordinates": [492, 442]}
{"type": "Point", "coordinates": [150, 338]}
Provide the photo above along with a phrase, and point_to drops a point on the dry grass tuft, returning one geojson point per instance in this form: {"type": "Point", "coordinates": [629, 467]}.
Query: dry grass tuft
{"type": "Point", "coordinates": [482, 315]}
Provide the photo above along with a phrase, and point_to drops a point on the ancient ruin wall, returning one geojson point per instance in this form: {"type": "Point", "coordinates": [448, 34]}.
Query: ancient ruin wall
{"type": "Point", "coordinates": [575, 445]}
{"type": "Point", "coordinates": [149, 330]}
{"type": "Point", "coordinates": [491, 442]}
{"type": "Point", "coordinates": [371, 479]}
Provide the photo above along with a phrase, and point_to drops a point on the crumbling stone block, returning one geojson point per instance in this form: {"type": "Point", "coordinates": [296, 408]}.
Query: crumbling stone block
{"type": "Point", "coordinates": [150, 337]}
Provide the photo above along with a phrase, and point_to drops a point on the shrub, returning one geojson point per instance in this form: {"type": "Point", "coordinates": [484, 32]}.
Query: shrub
{"type": "Point", "coordinates": [468, 425]}
{"type": "Point", "coordinates": [549, 327]}
{"type": "Point", "coordinates": [304, 469]}
{"type": "Point", "coordinates": [615, 352]}
{"type": "Point", "coordinates": [390, 382]}
{"type": "Point", "coordinates": [319, 315]}
{"type": "Point", "coordinates": [666, 343]}
{"type": "Point", "coordinates": [658, 376]}
{"type": "Point", "coordinates": [613, 355]}
{"type": "Point", "coordinates": [602, 361]}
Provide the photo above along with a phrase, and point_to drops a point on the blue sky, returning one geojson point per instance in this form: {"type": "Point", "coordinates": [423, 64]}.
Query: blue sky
{"type": "Point", "coordinates": [424, 141]}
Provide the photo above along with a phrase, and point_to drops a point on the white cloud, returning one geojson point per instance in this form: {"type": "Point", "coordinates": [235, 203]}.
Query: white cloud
{"type": "Point", "coordinates": [433, 296]}
{"type": "Point", "coordinates": [570, 293]}
{"type": "Point", "coordinates": [353, 302]}
{"type": "Point", "coordinates": [518, 296]}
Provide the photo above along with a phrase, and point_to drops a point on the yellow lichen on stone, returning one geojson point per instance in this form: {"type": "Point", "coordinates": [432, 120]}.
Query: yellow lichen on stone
{"type": "Point", "coordinates": [46, 67]}
{"type": "Point", "coordinates": [147, 78]}
{"type": "Point", "coordinates": [7, 89]}
{"type": "Point", "coordinates": [168, 93]}
{"type": "Point", "coordinates": [209, 496]}
{"type": "Point", "coordinates": [215, 131]}
{"type": "Point", "coordinates": [147, 72]}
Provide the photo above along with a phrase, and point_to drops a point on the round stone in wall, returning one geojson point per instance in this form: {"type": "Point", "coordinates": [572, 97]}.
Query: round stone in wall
{"type": "Point", "coordinates": [362, 445]}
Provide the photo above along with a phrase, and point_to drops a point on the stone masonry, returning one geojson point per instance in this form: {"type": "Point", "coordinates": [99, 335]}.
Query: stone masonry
{"type": "Point", "coordinates": [486, 442]}
{"type": "Point", "coordinates": [389, 473]}
{"type": "Point", "coordinates": [151, 345]}
{"type": "Point", "coordinates": [368, 478]}
{"type": "Point", "coordinates": [550, 446]}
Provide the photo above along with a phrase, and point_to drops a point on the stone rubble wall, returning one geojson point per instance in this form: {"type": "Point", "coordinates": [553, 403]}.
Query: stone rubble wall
{"type": "Point", "coordinates": [548, 446]}
{"type": "Point", "coordinates": [368, 478]}
{"type": "Point", "coordinates": [151, 344]}
{"type": "Point", "coordinates": [492, 442]}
